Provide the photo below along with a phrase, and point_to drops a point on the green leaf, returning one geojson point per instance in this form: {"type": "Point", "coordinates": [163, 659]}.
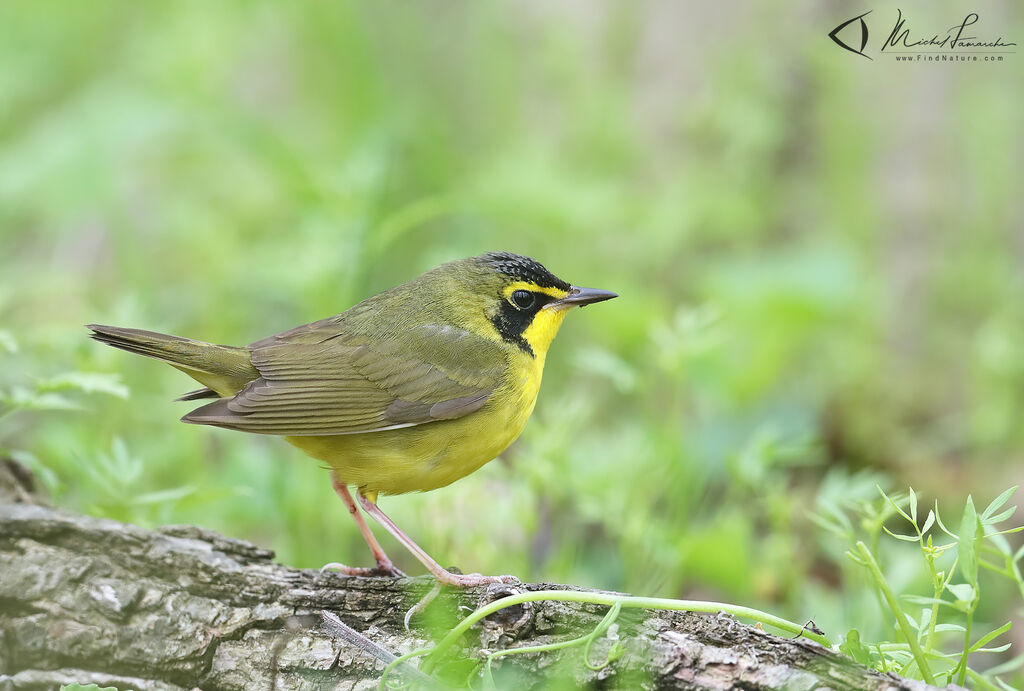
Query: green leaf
{"type": "Point", "coordinates": [905, 538]}
{"type": "Point", "coordinates": [969, 542]}
{"type": "Point", "coordinates": [30, 400]}
{"type": "Point", "coordinates": [832, 519]}
{"type": "Point", "coordinates": [900, 657]}
{"type": "Point", "coordinates": [998, 502]}
{"type": "Point", "coordinates": [617, 651]}
{"type": "Point", "coordinates": [963, 592]}
{"type": "Point", "coordinates": [853, 647]}
{"type": "Point", "coordinates": [998, 649]}
{"type": "Point", "coordinates": [995, 633]}
{"type": "Point", "coordinates": [163, 496]}
{"type": "Point", "coordinates": [117, 470]}
{"type": "Point", "coordinates": [928, 522]}
{"type": "Point", "coordinates": [44, 473]}
{"type": "Point", "coordinates": [86, 382]}
{"type": "Point", "coordinates": [895, 505]}
{"type": "Point", "coordinates": [999, 517]}
{"type": "Point", "coordinates": [913, 504]}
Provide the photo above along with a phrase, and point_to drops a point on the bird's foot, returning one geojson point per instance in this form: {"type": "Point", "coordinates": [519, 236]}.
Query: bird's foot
{"type": "Point", "coordinates": [383, 569]}
{"type": "Point", "coordinates": [469, 580]}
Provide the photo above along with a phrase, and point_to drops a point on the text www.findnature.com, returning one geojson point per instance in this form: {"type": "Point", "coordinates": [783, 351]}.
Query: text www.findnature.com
{"type": "Point", "coordinates": [949, 58]}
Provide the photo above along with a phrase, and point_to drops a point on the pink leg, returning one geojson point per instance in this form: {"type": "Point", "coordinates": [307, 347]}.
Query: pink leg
{"type": "Point", "coordinates": [440, 573]}
{"type": "Point", "coordinates": [384, 565]}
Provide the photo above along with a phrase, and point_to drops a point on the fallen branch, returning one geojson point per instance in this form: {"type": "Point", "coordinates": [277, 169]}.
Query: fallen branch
{"type": "Point", "coordinates": [91, 600]}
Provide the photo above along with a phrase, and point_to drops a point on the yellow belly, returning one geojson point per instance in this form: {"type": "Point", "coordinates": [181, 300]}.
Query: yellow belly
{"type": "Point", "coordinates": [432, 455]}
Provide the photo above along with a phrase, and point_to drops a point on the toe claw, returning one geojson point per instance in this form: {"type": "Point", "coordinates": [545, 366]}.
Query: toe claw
{"type": "Point", "coordinates": [473, 579]}
{"type": "Point", "coordinates": [381, 570]}
{"type": "Point", "coordinates": [338, 566]}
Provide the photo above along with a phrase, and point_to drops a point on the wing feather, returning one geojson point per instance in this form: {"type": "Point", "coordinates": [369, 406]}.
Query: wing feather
{"type": "Point", "coordinates": [316, 380]}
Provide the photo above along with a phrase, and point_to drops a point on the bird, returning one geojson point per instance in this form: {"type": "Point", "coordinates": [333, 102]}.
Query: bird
{"type": "Point", "coordinates": [406, 391]}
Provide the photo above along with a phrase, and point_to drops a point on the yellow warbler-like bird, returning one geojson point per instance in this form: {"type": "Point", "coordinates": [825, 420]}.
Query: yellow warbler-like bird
{"type": "Point", "coordinates": [407, 391]}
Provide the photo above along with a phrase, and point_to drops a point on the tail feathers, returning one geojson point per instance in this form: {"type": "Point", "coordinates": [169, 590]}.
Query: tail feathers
{"type": "Point", "coordinates": [148, 343]}
{"type": "Point", "coordinates": [224, 370]}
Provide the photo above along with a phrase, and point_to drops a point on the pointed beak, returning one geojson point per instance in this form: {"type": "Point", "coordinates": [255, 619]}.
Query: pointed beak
{"type": "Point", "coordinates": [578, 297]}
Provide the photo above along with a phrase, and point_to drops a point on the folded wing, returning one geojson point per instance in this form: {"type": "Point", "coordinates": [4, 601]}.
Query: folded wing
{"type": "Point", "coordinates": [327, 383]}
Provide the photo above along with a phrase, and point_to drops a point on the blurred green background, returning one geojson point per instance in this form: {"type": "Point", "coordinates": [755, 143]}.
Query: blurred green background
{"type": "Point", "coordinates": [819, 257]}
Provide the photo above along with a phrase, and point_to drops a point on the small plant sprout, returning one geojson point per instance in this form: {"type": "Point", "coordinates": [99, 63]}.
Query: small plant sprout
{"type": "Point", "coordinates": [953, 562]}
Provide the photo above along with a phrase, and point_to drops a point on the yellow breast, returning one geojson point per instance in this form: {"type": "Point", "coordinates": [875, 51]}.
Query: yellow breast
{"type": "Point", "coordinates": [435, 454]}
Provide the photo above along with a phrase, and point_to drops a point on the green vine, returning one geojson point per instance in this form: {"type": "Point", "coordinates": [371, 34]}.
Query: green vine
{"type": "Point", "coordinates": [586, 640]}
{"type": "Point", "coordinates": [616, 604]}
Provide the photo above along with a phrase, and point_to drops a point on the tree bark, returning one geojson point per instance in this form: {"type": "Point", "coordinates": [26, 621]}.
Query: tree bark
{"type": "Point", "coordinates": [91, 600]}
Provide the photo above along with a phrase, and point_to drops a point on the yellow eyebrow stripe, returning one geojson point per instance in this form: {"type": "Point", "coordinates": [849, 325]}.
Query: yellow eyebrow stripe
{"type": "Point", "coordinates": [556, 293]}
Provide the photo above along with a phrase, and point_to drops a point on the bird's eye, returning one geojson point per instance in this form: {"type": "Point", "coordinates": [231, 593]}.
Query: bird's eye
{"type": "Point", "coordinates": [523, 299]}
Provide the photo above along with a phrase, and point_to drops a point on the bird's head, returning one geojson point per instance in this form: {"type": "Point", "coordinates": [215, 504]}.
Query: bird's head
{"type": "Point", "coordinates": [522, 301]}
